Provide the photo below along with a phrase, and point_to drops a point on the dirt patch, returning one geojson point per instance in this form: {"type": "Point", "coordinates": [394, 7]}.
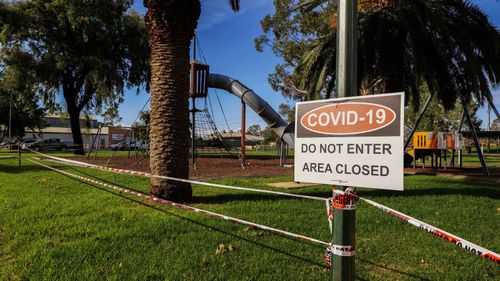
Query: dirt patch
{"type": "Point", "coordinates": [206, 168]}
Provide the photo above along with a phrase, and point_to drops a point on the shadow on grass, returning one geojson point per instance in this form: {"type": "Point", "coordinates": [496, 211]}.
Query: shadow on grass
{"type": "Point", "coordinates": [26, 166]}
{"type": "Point", "coordinates": [253, 242]}
{"type": "Point", "coordinates": [489, 192]}
{"type": "Point", "coordinates": [259, 244]}
{"type": "Point", "coordinates": [156, 208]}
{"type": "Point", "coordinates": [392, 269]}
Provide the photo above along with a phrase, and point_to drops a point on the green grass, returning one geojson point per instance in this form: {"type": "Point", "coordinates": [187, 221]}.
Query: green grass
{"type": "Point", "coordinates": [56, 228]}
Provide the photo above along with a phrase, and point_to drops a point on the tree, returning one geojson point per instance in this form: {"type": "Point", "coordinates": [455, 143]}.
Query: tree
{"type": "Point", "coordinates": [270, 136]}
{"type": "Point", "coordinates": [437, 118]}
{"type": "Point", "coordinates": [495, 125]}
{"type": "Point", "coordinates": [25, 114]}
{"type": "Point", "coordinates": [144, 118]}
{"type": "Point", "coordinates": [287, 112]}
{"type": "Point", "coordinates": [254, 130]}
{"type": "Point", "coordinates": [111, 116]}
{"type": "Point", "coordinates": [18, 100]}
{"type": "Point", "coordinates": [448, 44]}
{"type": "Point", "coordinates": [171, 25]}
{"type": "Point", "coordinates": [88, 51]}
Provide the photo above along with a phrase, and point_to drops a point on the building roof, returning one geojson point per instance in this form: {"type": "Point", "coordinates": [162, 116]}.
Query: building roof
{"type": "Point", "coordinates": [61, 130]}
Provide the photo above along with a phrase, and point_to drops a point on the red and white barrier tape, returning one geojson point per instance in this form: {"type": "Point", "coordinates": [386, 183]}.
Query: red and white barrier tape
{"type": "Point", "coordinates": [460, 242]}
{"type": "Point", "coordinates": [186, 207]}
{"type": "Point", "coordinates": [483, 252]}
{"type": "Point", "coordinates": [149, 175]}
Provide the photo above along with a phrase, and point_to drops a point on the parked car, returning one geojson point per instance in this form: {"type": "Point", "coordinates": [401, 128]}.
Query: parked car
{"type": "Point", "coordinates": [48, 144]}
{"type": "Point", "coordinates": [125, 145]}
{"type": "Point", "coordinates": [8, 145]}
{"type": "Point", "coordinates": [28, 141]}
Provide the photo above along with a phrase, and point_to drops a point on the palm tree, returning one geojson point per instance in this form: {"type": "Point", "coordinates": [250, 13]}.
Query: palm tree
{"type": "Point", "coordinates": [448, 44]}
{"type": "Point", "coordinates": [171, 25]}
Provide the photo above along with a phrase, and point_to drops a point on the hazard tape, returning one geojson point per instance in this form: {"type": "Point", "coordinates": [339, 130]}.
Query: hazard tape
{"type": "Point", "coordinates": [460, 242]}
{"type": "Point", "coordinates": [186, 207]}
{"type": "Point", "coordinates": [345, 200]}
{"type": "Point", "coordinates": [338, 250]}
{"type": "Point", "coordinates": [476, 249]}
{"type": "Point", "coordinates": [149, 175]}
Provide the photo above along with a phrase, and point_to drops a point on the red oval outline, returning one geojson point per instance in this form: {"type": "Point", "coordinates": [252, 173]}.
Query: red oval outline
{"type": "Point", "coordinates": [345, 134]}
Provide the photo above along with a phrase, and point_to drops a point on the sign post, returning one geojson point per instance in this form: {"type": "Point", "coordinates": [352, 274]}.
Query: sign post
{"type": "Point", "coordinates": [349, 142]}
{"type": "Point", "coordinates": [347, 67]}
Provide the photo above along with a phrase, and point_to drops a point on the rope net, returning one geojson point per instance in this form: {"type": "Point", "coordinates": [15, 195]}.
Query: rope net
{"type": "Point", "coordinates": [208, 140]}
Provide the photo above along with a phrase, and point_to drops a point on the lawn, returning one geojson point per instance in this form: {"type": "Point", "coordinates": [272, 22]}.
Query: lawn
{"type": "Point", "coordinates": [56, 228]}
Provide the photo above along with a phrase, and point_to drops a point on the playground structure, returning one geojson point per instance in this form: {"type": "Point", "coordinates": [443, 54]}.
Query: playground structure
{"type": "Point", "coordinates": [200, 80]}
{"type": "Point", "coordinates": [206, 139]}
{"type": "Point", "coordinates": [465, 117]}
{"type": "Point", "coordinates": [436, 145]}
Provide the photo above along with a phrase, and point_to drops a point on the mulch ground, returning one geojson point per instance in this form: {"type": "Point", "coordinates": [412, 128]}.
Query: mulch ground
{"type": "Point", "coordinates": [217, 168]}
{"type": "Point", "coordinates": [206, 168]}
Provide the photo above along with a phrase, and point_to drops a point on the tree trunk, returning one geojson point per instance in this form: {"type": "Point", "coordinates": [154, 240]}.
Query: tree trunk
{"type": "Point", "coordinates": [171, 26]}
{"type": "Point", "coordinates": [76, 132]}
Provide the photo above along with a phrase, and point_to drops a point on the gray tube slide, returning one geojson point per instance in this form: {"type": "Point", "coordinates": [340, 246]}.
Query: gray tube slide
{"type": "Point", "coordinates": [256, 103]}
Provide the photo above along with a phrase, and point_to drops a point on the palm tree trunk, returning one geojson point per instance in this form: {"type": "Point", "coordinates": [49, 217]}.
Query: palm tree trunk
{"type": "Point", "coordinates": [171, 26]}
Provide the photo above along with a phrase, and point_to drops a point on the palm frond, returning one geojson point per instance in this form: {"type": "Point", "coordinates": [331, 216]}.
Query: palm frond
{"type": "Point", "coordinates": [235, 5]}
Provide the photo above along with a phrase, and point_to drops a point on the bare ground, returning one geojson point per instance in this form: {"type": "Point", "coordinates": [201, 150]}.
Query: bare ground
{"type": "Point", "coordinates": [206, 168]}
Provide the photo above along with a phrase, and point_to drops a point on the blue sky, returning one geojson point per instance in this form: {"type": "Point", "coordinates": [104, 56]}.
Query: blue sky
{"type": "Point", "coordinates": [226, 39]}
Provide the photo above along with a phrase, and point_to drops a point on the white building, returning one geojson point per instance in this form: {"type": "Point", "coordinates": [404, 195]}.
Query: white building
{"type": "Point", "coordinates": [59, 127]}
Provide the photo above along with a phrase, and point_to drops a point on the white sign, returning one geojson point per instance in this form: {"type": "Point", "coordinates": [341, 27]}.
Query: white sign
{"type": "Point", "coordinates": [354, 141]}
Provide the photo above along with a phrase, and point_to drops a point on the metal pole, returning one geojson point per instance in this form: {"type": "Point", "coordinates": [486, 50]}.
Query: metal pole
{"type": "Point", "coordinates": [420, 116]}
{"type": "Point", "coordinates": [94, 139]}
{"type": "Point", "coordinates": [193, 132]}
{"type": "Point", "coordinates": [459, 130]}
{"type": "Point", "coordinates": [243, 132]}
{"type": "Point", "coordinates": [474, 136]}
{"type": "Point", "coordinates": [130, 136]}
{"type": "Point", "coordinates": [19, 152]}
{"type": "Point", "coordinates": [193, 98]}
{"type": "Point", "coordinates": [492, 106]}
{"type": "Point", "coordinates": [489, 128]}
{"type": "Point", "coordinates": [10, 121]}
{"type": "Point", "coordinates": [347, 62]}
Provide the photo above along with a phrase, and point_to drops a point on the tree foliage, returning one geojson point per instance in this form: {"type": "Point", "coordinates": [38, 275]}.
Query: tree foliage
{"type": "Point", "coordinates": [495, 125]}
{"type": "Point", "coordinates": [287, 112]}
{"type": "Point", "coordinates": [437, 118]}
{"type": "Point", "coordinates": [87, 51]}
{"type": "Point", "coordinates": [270, 136]}
{"type": "Point", "coordinates": [447, 44]}
{"type": "Point", "coordinates": [18, 100]}
{"type": "Point", "coordinates": [26, 114]}
{"type": "Point", "coordinates": [255, 130]}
